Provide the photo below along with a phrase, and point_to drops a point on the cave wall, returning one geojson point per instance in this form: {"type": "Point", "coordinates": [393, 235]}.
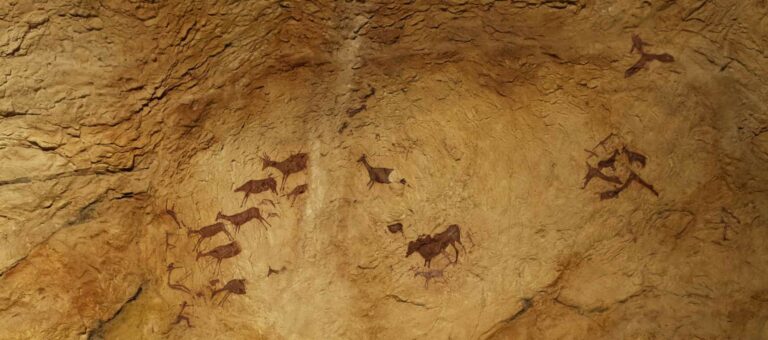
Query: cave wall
{"type": "Point", "coordinates": [125, 123]}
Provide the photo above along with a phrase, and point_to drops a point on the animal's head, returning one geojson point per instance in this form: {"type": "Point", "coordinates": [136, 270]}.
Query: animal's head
{"type": "Point", "coordinates": [415, 245]}
{"type": "Point", "coordinates": [265, 161]}
{"type": "Point", "coordinates": [362, 158]}
{"type": "Point", "coordinates": [219, 215]}
{"type": "Point", "coordinates": [272, 184]}
{"type": "Point", "coordinates": [412, 247]}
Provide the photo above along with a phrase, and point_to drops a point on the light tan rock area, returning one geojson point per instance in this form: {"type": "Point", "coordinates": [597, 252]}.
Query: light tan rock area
{"type": "Point", "coordinates": [375, 169]}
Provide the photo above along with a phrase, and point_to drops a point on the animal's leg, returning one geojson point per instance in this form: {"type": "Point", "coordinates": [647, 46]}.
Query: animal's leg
{"type": "Point", "coordinates": [228, 234]}
{"type": "Point", "coordinates": [197, 245]}
{"type": "Point", "coordinates": [264, 222]}
{"type": "Point", "coordinates": [244, 199]}
{"type": "Point", "coordinates": [187, 320]}
{"type": "Point", "coordinates": [370, 184]}
{"type": "Point", "coordinates": [457, 252]}
{"type": "Point", "coordinates": [226, 296]}
{"type": "Point", "coordinates": [285, 179]}
{"type": "Point", "coordinates": [458, 239]}
{"type": "Point", "coordinates": [217, 270]}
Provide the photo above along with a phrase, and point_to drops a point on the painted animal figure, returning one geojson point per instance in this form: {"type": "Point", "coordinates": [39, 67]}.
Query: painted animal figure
{"type": "Point", "coordinates": [257, 186]}
{"type": "Point", "coordinates": [593, 172]}
{"type": "Point", "coordinates": [208, 232]}
{"type": "Point", "coordinates": [376, 175]}
{"type": "Point", "coordinates": [220, 253]}
{"type": "Point", "coordinates": [291, 165]}
{"type": "Point", "coordinates": [428, 275]}
{"type": "Point", "coordinates": [644, 60]}
{"type": "Point", "coordinates": [609, 162]}
{"type": "Point", "coordinates": [236, 286]}
{"type": "Point", "coordinates": [244, 217]}
{"type": "Point", "coordinates": [301, 189]}
{"type": "Point", "coordinates": [430, 246]}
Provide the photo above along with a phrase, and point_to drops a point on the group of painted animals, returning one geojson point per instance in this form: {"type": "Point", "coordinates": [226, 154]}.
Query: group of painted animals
{"type": "Point", "coordinates": [632, 159]}
{"type": "Point", "coordinates": [428, 246]}
{"type": "Point", "coordinates": [293, 164]}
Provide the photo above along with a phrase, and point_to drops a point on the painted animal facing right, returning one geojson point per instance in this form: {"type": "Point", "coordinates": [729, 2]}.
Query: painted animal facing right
{"type": "Point", "coordinates": [430, 246]}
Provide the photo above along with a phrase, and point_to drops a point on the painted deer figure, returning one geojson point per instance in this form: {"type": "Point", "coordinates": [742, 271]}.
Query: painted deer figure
{"type": "Point", "coordinates": [236, 286]}
{"type": "Point", "coordinates": [376, 175]}
{"type": "Point", "coordinates": [430, 246]}
{"type": "Point", "coordinates": [291, 165]}
{"type": "Point", "coordinates": [244, 217]}
{"type": "Point", "coordinates": [257, 186]}
{"type": "Point", "coordinates": [220, 253]}
{"type": "Point", "coordinates": [208, 232]}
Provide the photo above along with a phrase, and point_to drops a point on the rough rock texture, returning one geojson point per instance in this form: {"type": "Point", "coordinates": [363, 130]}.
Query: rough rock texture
{"type": "Point", "coordinates": [115, 115]}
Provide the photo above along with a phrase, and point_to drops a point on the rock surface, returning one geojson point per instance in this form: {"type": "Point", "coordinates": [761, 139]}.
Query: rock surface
{"type": "Point", "coordinates": [125, 123]}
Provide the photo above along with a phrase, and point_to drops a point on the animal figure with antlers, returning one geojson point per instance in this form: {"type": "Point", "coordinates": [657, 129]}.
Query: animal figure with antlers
{"type": "Point", "coordinates": [291, 165]}
{"type": "Point", "coordinates": [376, 175]}
{"type": "Point", "coordinates": [430, 246]}
{"type": "Point", "coordinates": [220, 253]}
{"type": "Point", "coordinates": [208, 232]}
{"type": "Point", "coordinates": [256, 186]}
{"type": "Point", "coordinates": [236, 286]}
{"type": "Point", "coordinates": [244, 217]}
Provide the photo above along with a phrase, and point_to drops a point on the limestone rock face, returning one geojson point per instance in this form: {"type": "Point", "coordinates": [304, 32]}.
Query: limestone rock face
{"type": "Point", "coordinates": [127, 126]}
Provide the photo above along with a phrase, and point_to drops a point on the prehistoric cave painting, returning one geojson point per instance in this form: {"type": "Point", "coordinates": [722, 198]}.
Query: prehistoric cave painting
{"type": "Point", "coordinates": [220, 253]}
{"type": "Point", "coordinates": [593, 172]}
{"type": "Point", "coordinates": [362, 104]}
{"type": "Point", "coordinates": [256, 186]}
{"type": "Point", "coordinates": [181, 317]}
{"type": "Point", "coordinates": [172, 213]}
{"type": "Point", "coordinates": [176, 286]}
{"type": "Point", "coordinates": [268, 201]}
{"type": "Point", "coordinates": [244, 217]}
{"type": "Point", "coordinates": [291, 165]}
{"type": "Point", "coordinates": [633, 177]}
{"type": "Point", "coordinates": [645, 58]}
{"type": "Point", "coordinates": [376, 175]}
{"type": "Point", "coordinates": [429, 274]}
{"type": "Point", "coordinates": [627, 163]}
{"type": "Point", "coordinates": [168, 244]}
{"type": "Point", "coordinates": [235, 286]}
{"type": "Point", "coordinates": [298, 190]}
{"type": "Point", "coordinates": [430, 246]}
{"type": "Point", "coordinates": [271, 271]}
{"type": "Point", "coordinates": [208, 232]}
{"type": "Point", "coordinates": [634, 157]}
{"type": "Point", "coordinates": [395, 228]}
